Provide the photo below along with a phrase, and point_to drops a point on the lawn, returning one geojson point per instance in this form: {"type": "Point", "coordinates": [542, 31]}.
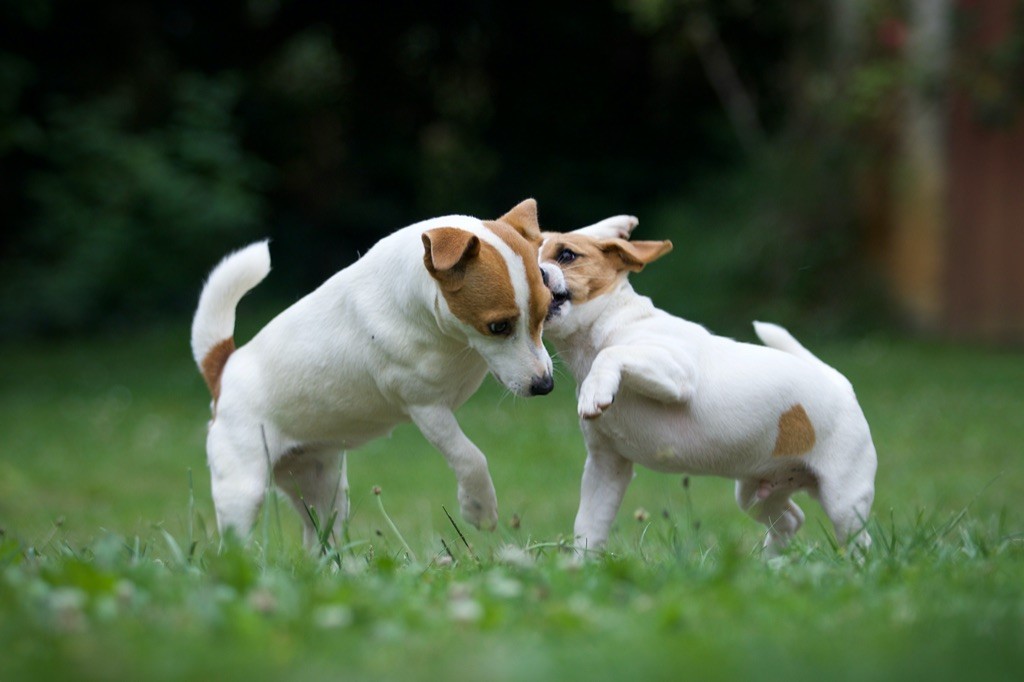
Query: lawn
{"type": "Point", "coordinates": [110, 565]}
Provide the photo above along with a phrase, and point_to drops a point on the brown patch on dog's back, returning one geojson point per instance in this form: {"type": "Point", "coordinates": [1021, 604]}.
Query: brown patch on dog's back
{"type": "Point", "coordinates": [213, 365]}
{"type": "Point", "coordinates": [796, 433]}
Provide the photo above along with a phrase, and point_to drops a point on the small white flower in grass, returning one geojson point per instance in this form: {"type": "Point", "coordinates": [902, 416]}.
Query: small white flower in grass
{"type": "Point", "coordinates": [465, 610]}
{"type": "Point", "coordinates": [443, 561]}
{"type": "Point", "coordinates": [332, 616]}
{"type": "Point", "coordinates": [641, 514]}
{"type": "Point", "coordinates": [459, 591]}
{"type": "Point", "coordinates": [504, 587]}
{"type": "Point", "coordinates": [513, 556]}
{"type": "Point", "coordinates": [263, 600]}
{"type": "Point", "coordinates": [462, 608]}
{"type": "Point", "coordinates": [125, 592]}
{"type": "Point", "coordinates": [67, 604]}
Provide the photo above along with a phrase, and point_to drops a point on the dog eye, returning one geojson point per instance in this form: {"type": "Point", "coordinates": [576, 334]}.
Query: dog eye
{"type": "Point", "coordinates": [565, 256]}
{"type": "Point", "coordinates": [502, 328]}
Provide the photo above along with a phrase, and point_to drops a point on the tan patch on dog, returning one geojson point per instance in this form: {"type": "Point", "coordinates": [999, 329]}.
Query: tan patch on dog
{"type": "Point", "coordinates": [539, 294]}
{"type": "Point", "coordinates": [213, 365]}
{"type": "Point", "coordinates": [599, 264]}
{"type": "Point", "coordinates": [474, 281]}
{"type": "Point", "coordinates": [796, 433]}
{"type": "Point", "coordinates": [591, 274]}
{"type": "Point", "coordinates": [523, 219]}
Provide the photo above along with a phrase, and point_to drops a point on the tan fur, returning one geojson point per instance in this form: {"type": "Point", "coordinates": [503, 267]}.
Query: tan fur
{"type": "Point", "coordinates": [448, 248]}
{"type": "Point", "coordinates": [600, 263]}
{"type": "Point", "coordinates": [213, 365]}
{"type": "Point", "coordinates": [796, 433]}
{"type": "Point", "coordinates": [475, 279]}
{"type": "Point", "coordinates": [523, 219]}
{"type": "Point", "coordinates": [481, 294]}
{"type": "Point", "coordinates": [540, 295]}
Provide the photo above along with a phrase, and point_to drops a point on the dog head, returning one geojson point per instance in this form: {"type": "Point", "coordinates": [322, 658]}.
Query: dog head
{"type": "Point", "coordinates": [585, 264]}
{"type": "Point", "coordinates": [493, 289]}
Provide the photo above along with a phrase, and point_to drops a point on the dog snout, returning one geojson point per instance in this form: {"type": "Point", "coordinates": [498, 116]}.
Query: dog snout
{"type": "Point", "coordinates": [542, 385]}
{"type": "Point", "coordinates": [551, 276]}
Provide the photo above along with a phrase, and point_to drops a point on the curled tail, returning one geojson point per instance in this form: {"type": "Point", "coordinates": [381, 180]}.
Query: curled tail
{"type": "Point", "coordinates": [774, 336]}
{"type": "Point", "coordinates": [213, 327]}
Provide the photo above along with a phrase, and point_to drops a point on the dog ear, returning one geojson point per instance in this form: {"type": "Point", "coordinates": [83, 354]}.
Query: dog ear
{"type": "Point", "coordinates": [633, 256]}
{"type": "Point", "coordinates": [446, 250]}
{"type": "Point", "coordinates": [523, 218]}
{"type": "Point", "coordinates": [620, 226]}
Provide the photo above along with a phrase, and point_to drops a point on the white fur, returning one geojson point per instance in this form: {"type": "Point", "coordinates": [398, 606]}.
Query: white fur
{"type": "Point", "coordinates": [233, 277]}
{"type": "Point", "coordinates": [374, 346]}
{"type": "Point", "coordinates": [659, 391]}
{"type": "Point", "coordinates": [619, 226]}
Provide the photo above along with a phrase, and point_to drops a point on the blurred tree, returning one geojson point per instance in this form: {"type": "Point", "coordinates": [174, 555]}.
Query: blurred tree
{"type": "Point", "coordinates": [139, 141]}
{"type": "Point", "coordinates": [117, 217]}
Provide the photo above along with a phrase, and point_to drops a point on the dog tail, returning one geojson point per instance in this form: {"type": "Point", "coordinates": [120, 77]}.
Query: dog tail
{"type": "Point", "coordinates": [774, 336]}
{"type": "Point", "coordinates": [213, 327]}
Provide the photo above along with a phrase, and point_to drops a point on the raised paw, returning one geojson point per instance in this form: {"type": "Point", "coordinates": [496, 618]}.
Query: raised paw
{"type": "Point", "coordinates": [594, 400]}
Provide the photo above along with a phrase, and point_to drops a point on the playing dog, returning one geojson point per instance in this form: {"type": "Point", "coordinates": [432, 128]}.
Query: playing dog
{"type": "Point", "coordinates": [407, 332]}
{"type": "Point", "coordinates": [657, 390]}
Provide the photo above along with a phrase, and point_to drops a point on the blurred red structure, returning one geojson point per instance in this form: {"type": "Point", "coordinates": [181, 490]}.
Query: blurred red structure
{"type": "Point", "coordinates": [950, 232]}
{"type": "Point", "coordinates": [983, 283]}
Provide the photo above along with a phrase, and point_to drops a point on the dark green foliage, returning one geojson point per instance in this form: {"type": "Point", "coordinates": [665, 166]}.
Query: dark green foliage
{"type": "Point", "coordinates": [777, 242]}
{"type": "Point", "coordinates": [119, 216]}
{"type": "Point", "coordinates": [131, 159]}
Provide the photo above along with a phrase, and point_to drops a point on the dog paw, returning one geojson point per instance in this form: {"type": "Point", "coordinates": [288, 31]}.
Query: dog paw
{"type": "Point", "coordinates": [479, 505]}
{"type": "Point", "coordinates": [593, 401]}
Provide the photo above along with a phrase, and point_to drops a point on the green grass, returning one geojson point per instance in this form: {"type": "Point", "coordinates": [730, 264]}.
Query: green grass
{"type": "Point", "coordinates": [110, 566]}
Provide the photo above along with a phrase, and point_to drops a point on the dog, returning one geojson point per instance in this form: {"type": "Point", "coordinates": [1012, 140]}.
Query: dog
{"type": "Point", "coordinates": [663, 392]}
{"type": "Point", "coordinates": [407, 332]}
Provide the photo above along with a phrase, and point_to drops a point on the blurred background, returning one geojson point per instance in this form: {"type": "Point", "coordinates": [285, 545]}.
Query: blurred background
{"type": "Point", "coordinates": [850, 165]}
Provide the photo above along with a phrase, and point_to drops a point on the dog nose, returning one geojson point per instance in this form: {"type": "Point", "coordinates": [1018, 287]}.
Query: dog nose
{"type": "Point", "coordinates": [542, 385]}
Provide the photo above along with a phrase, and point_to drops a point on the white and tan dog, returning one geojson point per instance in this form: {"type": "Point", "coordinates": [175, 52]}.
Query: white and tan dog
{"type": "Point", "coordinates": [408, 332]}
{"type": "Point", "coordinates": [657, 390]}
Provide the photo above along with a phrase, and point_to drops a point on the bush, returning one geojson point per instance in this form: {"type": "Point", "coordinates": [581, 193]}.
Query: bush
{"type": "Point", "coordinates": [119, 217]}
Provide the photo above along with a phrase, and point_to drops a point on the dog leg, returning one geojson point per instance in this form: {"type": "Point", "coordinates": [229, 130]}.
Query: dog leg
{"type": "Point", "coordinates": [774, 509]}
{"type": "Point", "coordinates": [477, 500]}
{"type": "Point", "coordinates": [649, 370]}
{"type": "Point", "coordinates": [315, 479]}
{"type": "Point", "coordinates": [846, 489]}
{"type": "Point", "coordinates": [606, 475]}
{"type": "Point", "coordinates": [849, 515]}
{"type": "Point", "coordinates": [847, 500]}
{"type": "Point", "coordinates": [238, 477]}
